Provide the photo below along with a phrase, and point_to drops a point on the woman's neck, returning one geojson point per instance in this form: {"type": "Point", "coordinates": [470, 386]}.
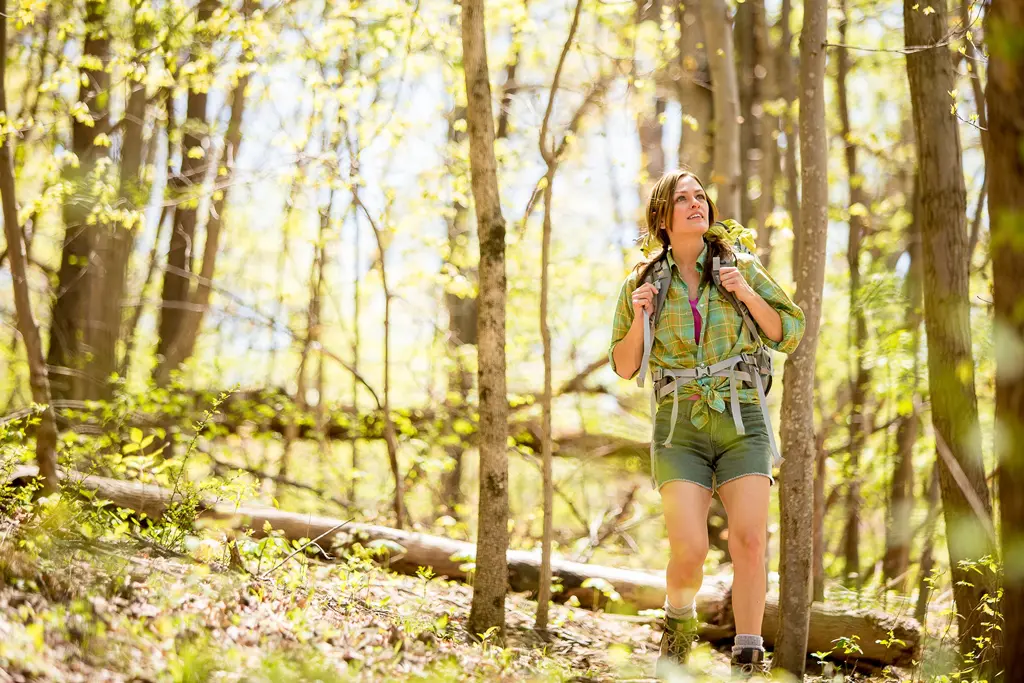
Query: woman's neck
{"type": "Point", "coordinates": [686, 249]}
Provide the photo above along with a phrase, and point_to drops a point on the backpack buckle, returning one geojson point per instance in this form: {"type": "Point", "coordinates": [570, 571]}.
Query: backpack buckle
{"type": "Point", "coordinates": [701, 371]}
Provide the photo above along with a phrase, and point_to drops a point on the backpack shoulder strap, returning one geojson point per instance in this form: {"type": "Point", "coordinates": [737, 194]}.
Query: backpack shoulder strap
{"type": "Point", "coordinates": [660, 275]}
{"type": "Point", "coordinates": [748, 320]}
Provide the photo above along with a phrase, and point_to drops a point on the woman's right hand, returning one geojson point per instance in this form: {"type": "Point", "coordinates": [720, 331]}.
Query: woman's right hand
{"type": "Point", "coordinates": [643, 299]}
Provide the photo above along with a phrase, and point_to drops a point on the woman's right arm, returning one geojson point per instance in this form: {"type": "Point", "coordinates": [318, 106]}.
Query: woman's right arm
{"type": "Point", "coordinates": [627, 347]}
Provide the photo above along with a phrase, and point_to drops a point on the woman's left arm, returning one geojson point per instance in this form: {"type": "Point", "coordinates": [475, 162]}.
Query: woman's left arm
{"type": "Point", "coordinates": [781, 321]}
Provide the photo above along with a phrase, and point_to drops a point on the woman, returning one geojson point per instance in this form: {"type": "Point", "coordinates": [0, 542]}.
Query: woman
{"type": "Point", "coordinates": [706, 448]}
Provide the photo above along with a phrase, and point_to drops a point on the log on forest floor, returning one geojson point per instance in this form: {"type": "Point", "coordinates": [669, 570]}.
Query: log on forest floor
{"type": "Point", "coordinates": [644, 590]}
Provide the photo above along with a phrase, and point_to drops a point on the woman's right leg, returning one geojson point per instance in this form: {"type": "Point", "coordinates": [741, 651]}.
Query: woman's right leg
{"type": "Point", "coordinates": [685, 505]}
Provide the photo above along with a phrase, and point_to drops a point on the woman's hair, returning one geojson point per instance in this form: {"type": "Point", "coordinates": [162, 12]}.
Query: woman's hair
{"type": "Point", "coordinates": [658, 222]}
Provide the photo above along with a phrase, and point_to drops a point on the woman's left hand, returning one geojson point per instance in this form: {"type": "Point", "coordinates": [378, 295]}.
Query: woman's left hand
{"type": "Point", "coordinates": [733, 281]}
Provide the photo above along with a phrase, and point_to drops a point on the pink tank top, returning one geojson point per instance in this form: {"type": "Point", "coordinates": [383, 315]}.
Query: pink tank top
{"type": "Point", "coordinates": [696, 320]}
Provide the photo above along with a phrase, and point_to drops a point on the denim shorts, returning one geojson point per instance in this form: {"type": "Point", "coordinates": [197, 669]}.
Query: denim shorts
{"type": "Point", "coordinates": [713, 455]}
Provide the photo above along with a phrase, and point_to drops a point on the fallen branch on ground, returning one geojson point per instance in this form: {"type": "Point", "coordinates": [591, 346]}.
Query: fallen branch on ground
{"type": "Point", "coordinates": [642, 589]}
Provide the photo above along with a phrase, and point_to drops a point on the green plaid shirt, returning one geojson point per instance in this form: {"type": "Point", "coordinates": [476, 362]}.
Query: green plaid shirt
{"type": "Point", "coordinates": [723, 333]}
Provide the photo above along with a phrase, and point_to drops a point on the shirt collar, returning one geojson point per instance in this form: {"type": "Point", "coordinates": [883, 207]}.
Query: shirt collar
{"type": "Point", "coordinates": [700, 258]}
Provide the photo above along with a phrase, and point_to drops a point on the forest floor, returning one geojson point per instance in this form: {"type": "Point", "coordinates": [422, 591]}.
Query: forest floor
{"type": "Point", "coordinates": [75, 609]}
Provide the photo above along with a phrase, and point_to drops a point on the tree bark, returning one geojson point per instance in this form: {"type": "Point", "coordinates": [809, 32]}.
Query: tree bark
{"type": "Point", "coordinates": [548, 152]}
{"type": "Point", "coordinates": [798, 394]}
{"type": "Point", "coordinates": [924, 586]}
{"type": "Point", "coordinates": [725, 172]}
{"type": "Point", "coordinates": [192, 318]}
{"type": "Point", "coordinates": [116, 240]}
{"type": "Point", "coordinates": [46, 432]}
{"type": "Point", "coordinates": [750, 50]}
{"type": "Point", "coordinates": [79, 274]}
{"type": "Point", "coordinates": [898, 536]}
{"type": "Point", "coordinates": [858, 227]}
{"type": "Point", "coordinates": [462, 315]}
{"type": "Point", "coordinates": [694, 93]}
{"type": "Point", "coordinates": [787, 89]}
{"type": "Point", "coordinates": [947, 321]}
{"type": "Point", "coordinates": [1004, 24]}
{"type": "Point", "coordinates": [490, 582]}
{"type": "Point", "coordinates": [185, 189]}
{"type": "Point", "coordinates": [768, 162]}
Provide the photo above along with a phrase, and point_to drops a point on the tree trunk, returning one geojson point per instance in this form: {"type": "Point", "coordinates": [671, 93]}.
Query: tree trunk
{"type": "Point", "coordinates": [115, 241]}
{"type": "Point", "coordinates": [462, 320]}
{"type": "Point", "coordinates": [185, 189]}
{"type": "Point", "coordinates": [750, 78]}
{"type": "Point", "coordinates": [788, 91]}
{"type": "Point", "coordinates": [725, 173]}
{"type": "Point", "coordinates": [79, 275]}
{"type": "Point", "coordinates": [947, 322]}
{"type": "Point", "coordinates": [694, 93]}
{"type": "Point", "coordinates": [46, 432]}
{"type": "Point", "coordinates": [192, 319]}
{"type": "Point", "coordinates": [858, 331]}
{"type": "Point", "coordinates": [550, 155]}
{"type": "Point", "coordinates": [898, 535]}
{"type": "Point", "coordinates": [652, 152]}
{"type": "Point", "coordinates": [818, 561]}
{"type": "Point", "coordinates": [769, 145]}
{"type": "Point", "coordinates": [797, 473]}
{"type": "Point", "coordinates": [1004, 25]}
{"type": "Point", "coordinates": [924, 586]}
{"type": "Point", "coordinates": [491, 577]}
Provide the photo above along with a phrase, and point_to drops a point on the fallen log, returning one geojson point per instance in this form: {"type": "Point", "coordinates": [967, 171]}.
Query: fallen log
{"type": "Point", "coordinates": [448, 558]}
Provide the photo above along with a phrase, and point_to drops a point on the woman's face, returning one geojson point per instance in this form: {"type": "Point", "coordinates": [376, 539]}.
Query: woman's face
{"type": "Point", "coordinates": [690, 208]}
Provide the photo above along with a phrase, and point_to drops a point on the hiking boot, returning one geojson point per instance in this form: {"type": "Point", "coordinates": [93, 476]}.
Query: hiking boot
{"type": "Point", "coordinates": [677, 639]}
{"type": "Point", "coordinates": [749, 662]}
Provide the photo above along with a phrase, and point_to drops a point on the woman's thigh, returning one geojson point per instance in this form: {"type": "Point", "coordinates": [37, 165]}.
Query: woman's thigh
{"type": "Point", "coordinates": [685, 505]}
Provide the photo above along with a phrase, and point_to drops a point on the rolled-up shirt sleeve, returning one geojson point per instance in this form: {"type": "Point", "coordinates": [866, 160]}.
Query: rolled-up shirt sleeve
{"type": "Point", "coordinates": [623, 318]}
{"type": "Point", "coordinates": [793, 322]}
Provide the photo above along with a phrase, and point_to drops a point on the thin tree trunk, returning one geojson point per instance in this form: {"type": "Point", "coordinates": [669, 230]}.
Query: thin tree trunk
{"type": "Point", "coordinates": [356, 298]}
{"type": "Point", "coordinates": [491, 576]}
{"type": "Point", "coordinates": [390, 435]}
{"type": "Point", "coordinates": [768, 163]}
{"type": "Point", "coordinates": [79, 274]}
{"type": "Point", "coordinates": [694, 92]}
{"type": "Point", "coordinates": [549, 154]}
{"type": "Point", "coordinates": [116, 240]}
{"type": "Point", "coordinates": [788, 91]}
{"type": "Point", "coordinates": [192, 319]}
{"type": "Point", "coordinates": [818, 562]}
{"type": "Point", "coordinates": [725, 173]}
{"type": "Point", "coordinates": [46, 432]}
{"type": "Point", "coordinates": [798, 394]}
{"type": "Point", "coordinates": [947, 322]}
{"type": "Point", "coordinates": [1004, 25]}
{"type": "Point", "coordinates": [860, 379]}
{"type": "Point", "coordinates": [924, 586]}
{"type": "Point", "coordinates": [133, 322]}
{"type": "Point", "coordinates": [185, 186]}
{"type": "Point", "coordinates": [462, 315]}
{"type": "Point", "coordinates": [750, 77]}
{"type": "Point", "coordinates": [898, 535]}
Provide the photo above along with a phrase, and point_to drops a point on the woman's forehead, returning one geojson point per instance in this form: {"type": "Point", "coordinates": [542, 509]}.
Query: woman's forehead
{"type": "Point", "coordinates": [688, 184]}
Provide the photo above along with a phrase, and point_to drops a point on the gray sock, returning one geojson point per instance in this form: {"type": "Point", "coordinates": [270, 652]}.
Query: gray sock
{"type": "Point", "coordinates": [688, 612]}
{"type": "Point", "coordinates": [744, 640]}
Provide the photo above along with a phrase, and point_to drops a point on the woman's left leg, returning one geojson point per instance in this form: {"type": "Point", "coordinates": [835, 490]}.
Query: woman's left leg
{"type": "Point", "coordinates": [746, 500]}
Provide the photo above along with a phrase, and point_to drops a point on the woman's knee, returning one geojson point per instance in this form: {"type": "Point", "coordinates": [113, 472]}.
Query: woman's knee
{"type": "Point", "coordinates": [748, 545]}
{"type": "Point", "coordinates": [689, 553]}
